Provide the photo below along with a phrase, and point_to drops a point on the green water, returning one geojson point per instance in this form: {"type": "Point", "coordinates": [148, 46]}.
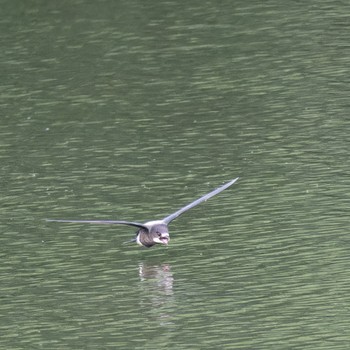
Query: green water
{"type": "Point", "coordinates": [130, 110]}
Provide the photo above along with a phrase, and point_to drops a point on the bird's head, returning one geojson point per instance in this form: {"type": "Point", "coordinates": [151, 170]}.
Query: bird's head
{"type": "Point", "coordinates": [159, 233]}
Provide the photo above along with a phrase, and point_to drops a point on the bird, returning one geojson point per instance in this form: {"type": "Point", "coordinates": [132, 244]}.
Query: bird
{"type": "Point", "coordinates": [153, 232]}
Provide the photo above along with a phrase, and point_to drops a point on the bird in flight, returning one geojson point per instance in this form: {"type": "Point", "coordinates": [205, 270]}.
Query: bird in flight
{"type": "Point", "coordinates": [155, 231]}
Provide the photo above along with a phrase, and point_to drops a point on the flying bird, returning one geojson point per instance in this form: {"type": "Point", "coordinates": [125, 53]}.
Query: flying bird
{"type": "Point", "coordinates": [155, 231]}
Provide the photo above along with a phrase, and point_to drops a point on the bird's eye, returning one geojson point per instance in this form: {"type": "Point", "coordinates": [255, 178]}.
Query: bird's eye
{"type": "Point", "coordinates": [159, 234]}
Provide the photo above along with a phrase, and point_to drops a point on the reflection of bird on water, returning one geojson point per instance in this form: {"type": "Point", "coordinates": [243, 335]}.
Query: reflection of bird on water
{"type": "Point", "coordinates": [157, 299]}
{"type": "Point", "coordinates": [155, 232]}
{"type": "Point", "coordinates": [160, 275]}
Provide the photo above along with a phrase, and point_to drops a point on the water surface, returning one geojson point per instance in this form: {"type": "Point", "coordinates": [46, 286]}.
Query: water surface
{"type": "Point", "coordinates": [130, 111]}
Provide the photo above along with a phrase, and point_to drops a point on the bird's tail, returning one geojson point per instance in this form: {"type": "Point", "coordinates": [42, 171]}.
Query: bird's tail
{"type": "Point", "coordinates": [131, 241]}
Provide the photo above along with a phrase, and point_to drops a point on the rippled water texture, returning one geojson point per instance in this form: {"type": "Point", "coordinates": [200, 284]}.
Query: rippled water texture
{"type": "Point", "coordinates": [130, 110]}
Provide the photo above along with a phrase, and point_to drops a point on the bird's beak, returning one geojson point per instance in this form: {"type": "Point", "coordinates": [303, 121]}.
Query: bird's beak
{"type": "Point", "coordinates": [163, 239]}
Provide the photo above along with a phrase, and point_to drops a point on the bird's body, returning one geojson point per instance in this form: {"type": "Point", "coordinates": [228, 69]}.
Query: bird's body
{"type": "Point", "coordinates": [155, 231]}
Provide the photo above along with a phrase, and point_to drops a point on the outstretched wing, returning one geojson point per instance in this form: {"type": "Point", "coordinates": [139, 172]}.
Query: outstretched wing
{"type": "Point", "coordinates": [173, 216]}
{"type": "Point", "coordinates": [107, 222]}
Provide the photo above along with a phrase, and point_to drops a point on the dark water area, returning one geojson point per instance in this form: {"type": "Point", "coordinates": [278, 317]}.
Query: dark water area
{"type": "Point", "coordinates": [130, 110]}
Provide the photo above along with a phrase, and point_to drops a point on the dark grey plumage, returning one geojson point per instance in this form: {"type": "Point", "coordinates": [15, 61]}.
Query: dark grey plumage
{"type": "Point", "coordinates": [154, 232]}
